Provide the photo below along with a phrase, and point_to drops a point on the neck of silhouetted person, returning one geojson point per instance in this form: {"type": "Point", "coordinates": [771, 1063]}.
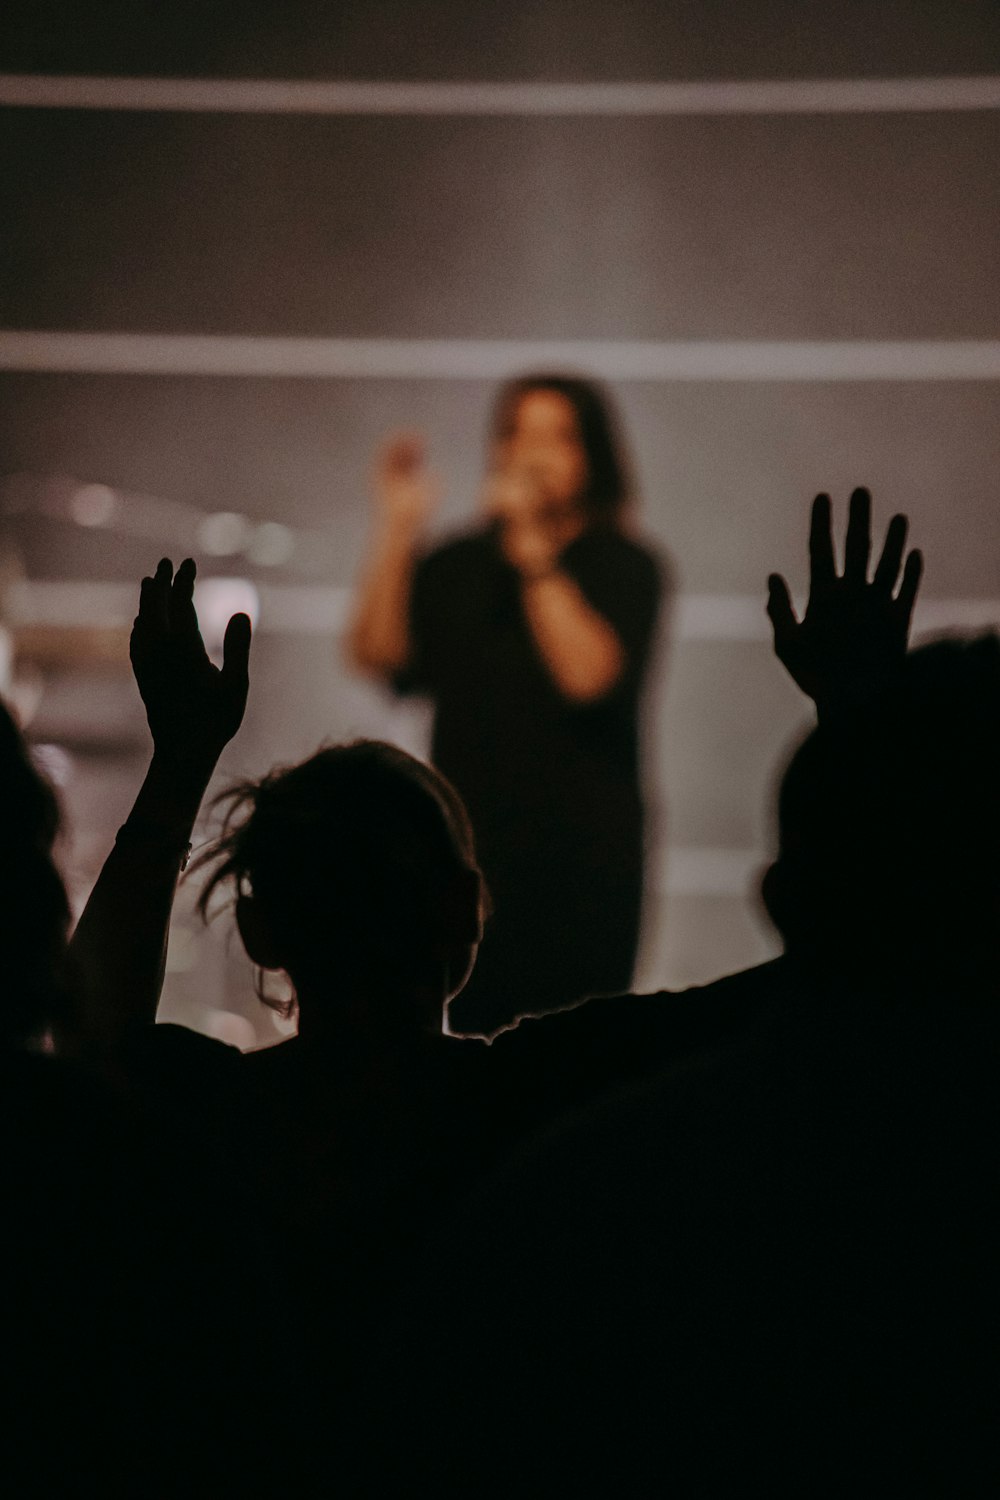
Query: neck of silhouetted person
{"type": "Point", "coordinates": [368, 1014]}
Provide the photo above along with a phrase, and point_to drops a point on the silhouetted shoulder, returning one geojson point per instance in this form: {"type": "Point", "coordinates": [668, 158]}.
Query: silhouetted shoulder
{"type": "Point", "coordinates": [568, 1058]}
{"type": "Point", "coordinates": [746, 987]}
{"type": "Point", "coordinates": [179, 1073]}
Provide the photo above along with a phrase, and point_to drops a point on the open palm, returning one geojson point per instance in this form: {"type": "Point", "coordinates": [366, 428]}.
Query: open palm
{"type": "Point", "coordinates": [854, 632]}
{"type": "Point", "coordinates": [193, 707]}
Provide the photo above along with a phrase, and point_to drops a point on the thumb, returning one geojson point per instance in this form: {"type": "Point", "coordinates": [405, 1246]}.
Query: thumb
{"type": "Point", "coordinates": [236, 651]}
{"type": "Point", "coordinates": [779, 609]}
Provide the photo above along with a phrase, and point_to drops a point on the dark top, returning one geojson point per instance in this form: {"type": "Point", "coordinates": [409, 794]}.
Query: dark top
{"type": "Point", "coordinates": [772, 1269]}
{"type": "Point", "coordinates": [336, 1166]}
{"type": "Point", "coordinates": [419, 1123]}
{"type": "Point", "coordinates": [552, 786]}
{"type": "Point", "coordinates": [525, 759]}
{"type": "Point", "coordinates": [124, 1362]}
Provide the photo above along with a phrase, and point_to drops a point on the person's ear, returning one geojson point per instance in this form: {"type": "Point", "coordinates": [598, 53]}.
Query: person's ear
{"type": "Point", "coordinates": [255, 930]}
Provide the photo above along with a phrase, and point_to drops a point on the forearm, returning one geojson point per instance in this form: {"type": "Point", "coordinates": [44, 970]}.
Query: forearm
{"type": "Point", "coordinates": [119, 946]}
{"type": "Point", "coordinates": [378, 639]}
{"type": "Point", "coordinates": [581, 651]}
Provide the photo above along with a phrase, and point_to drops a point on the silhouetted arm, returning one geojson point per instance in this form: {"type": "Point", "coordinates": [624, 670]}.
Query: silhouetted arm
{"type": "Point", "coordinates": [193, 709]}
{"type": "Point", "coordinates": [854, 633]}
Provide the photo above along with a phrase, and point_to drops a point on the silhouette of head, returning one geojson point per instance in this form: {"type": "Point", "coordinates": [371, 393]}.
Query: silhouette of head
{"type": "Point", "coordinates": [355, 872]}
{"type": "Point", "coordinates": [890, 827]}
{"type": "Point", "coordinates": [34, 912]}
{"type": "Point", "coordinates": [595, 432]}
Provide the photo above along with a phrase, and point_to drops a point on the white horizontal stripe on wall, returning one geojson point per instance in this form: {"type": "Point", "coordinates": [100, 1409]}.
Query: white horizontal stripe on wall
{"type": "Point", "coordinates": [272, 96]}
{"type": "Point", "coordinates": [311, 609]}
{"type": "Point", "coordinates": [497, 359]}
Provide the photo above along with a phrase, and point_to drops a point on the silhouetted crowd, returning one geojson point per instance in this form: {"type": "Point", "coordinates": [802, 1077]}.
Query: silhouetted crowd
{"type": "Point", "coordinates": [735, 1240]}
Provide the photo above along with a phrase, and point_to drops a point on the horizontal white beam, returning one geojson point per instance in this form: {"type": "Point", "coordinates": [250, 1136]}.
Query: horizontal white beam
{"type": "Point", "coordinates": [497, 359]}
{"type": "Point", "coordinates": [273, 96]}
{"type": "Point", "coordinates": [312, 609]}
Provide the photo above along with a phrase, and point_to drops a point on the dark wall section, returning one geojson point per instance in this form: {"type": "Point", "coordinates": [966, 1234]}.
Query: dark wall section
{"type": "Point", "coordinates": [497, 39]}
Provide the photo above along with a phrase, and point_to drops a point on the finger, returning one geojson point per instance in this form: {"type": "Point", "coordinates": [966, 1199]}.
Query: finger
{"type": "Point", "coordinates": [236, 651]}
{"type": "Point", "coordinates": [858, 544]}
{"type": "Point", "coordinates": [183, 617]}
{"type": "Point", "coordinates": [158, 594]}
{"type": "Point", "coordinates": [146, 587]}
{"type": "Point", "coordinates": [822, 573]}
{"type": "Point", "coordinates": [912, 573]}
{"type": "Point", "coordinates": [887, 571]}
{"type": "Point", "coordinates": [779, 609]}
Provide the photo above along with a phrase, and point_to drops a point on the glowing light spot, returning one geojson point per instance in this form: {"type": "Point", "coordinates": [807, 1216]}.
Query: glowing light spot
{"type": "Point", "coordinates": [93, 505]}
{"type": "Point", "coordinates": [216, 600]}
{"type": "Point", "coordinates": [271, 544]}
{"type": "Point", "coordinates": [55, 763]}
{"type": "Point", "coordinates": [224, 533]}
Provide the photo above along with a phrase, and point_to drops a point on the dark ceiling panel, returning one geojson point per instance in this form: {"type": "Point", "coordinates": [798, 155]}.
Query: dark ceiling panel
{"type": "Point", "coordinates": [547, 39]}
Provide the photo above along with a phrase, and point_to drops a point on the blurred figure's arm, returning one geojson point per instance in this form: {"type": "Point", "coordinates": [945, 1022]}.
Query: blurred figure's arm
{"type": "Point", "coordinates": [582, 651]}
{"type": "Point", "coordinates": [378, 640]}
{"type": "Point", "coordinates": [581, 648]}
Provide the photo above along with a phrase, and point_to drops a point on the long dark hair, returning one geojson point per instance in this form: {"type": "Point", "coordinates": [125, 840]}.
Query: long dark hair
{"type": "Point", "coordinates": [609, 480]}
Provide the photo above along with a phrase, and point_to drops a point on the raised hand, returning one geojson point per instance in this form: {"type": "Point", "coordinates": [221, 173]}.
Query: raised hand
{"type": "Point", "coordinates": [193, 707]}
{"type": "Point", "coordinates": [405, 489]}
{"type": "Point", "coordinates": [854, 632]}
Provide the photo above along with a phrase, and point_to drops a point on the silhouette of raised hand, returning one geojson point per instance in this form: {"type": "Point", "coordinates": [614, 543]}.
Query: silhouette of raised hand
{"type": "Point", "coordinates": [193, 707]}
{"type": "Point", "coordinates": [854, 632]}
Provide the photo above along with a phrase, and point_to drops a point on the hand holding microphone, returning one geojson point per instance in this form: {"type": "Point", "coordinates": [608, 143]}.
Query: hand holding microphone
{"type": "Point", "coordinates": [529, 537]}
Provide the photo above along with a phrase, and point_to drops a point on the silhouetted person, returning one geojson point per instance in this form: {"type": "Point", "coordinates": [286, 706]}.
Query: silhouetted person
{"type": "Point", "coordinates": [774, 1268]}
{"type": "Point", "coordinates": [120, 1361]}
{"type": "Point", "coordinates": [531, 635]}
{"type": "Point", "coordinates": [61, 1165]}
{"type": "Point", "coordinates": [105, 1325]}
{"type": "Point", "coordinates": [353, 874]}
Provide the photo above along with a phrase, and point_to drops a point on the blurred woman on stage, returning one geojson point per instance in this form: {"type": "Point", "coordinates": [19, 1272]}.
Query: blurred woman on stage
{"type": "Point", "coordinates": [530, 633]}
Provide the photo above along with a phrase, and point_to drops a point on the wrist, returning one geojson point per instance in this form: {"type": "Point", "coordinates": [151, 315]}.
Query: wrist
{"type": "Point", "coordinates": [399, 533]}
{"type": "Point", "coordinates": [186, 768]}
{"type": "Point", "coordinates": [538, 572]}
{"type": "Point", "coordinates": [151, 839]}
{"type": "Point", "coordinates": [172, 792]}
